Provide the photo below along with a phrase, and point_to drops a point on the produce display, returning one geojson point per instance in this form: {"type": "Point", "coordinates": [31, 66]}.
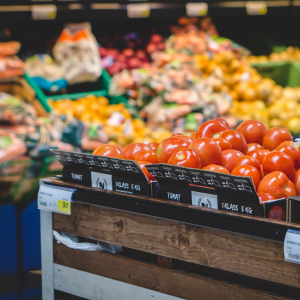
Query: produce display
{"type": "Point", "coordinates": [269, 157]}
{"type": "Point", "coordinates": [281, 54]}
{"type": "Point", "coordinates": [113, 122]}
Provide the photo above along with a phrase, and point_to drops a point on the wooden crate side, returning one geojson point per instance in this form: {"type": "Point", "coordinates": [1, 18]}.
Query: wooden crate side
{"type": "Point", "coordinates": [227, 251]}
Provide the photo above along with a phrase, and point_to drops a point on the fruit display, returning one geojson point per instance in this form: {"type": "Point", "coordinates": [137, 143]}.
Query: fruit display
{"type": "Point", "coordinates": [281, 54]}
{"type": "Point", "coordinates": [273, 165]}
{"type": "Point", "coordinates": [108, 122]}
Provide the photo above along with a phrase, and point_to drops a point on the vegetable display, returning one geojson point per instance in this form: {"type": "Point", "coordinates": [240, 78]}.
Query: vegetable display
{"type": "Point", "coordinates": [269, 157]}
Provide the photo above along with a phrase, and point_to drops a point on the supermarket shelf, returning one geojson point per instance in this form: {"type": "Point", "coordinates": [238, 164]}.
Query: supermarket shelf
{"type": "Point", "coordinates": [231, 222]}
{"type": "Point", "coordinates": [66, 10]}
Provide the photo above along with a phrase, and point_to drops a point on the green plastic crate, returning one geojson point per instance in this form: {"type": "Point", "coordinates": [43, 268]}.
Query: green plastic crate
{"type": "Point", "coordinates": [283, 73]}
{"type": "Point", "coordinates": [98, 88]}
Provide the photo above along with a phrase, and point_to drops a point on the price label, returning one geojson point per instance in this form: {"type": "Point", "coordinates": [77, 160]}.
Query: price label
{"type": "Point", "coordinates": [292, 246]}
{"type": "Point", "coordinates": [139, 10]}
{"type": "Point", "coordinates": [206, 200]}
{"type": "Point", "coordinates": [256, 7]}
{"type": "Point", "coordinates": [101, 181]}
{"type": "Point", "coordinates": [43, 12]}
{"type": "Point", "coordinates": [196, 9]}
{"type": "Point", "coordinates": [55, 199]}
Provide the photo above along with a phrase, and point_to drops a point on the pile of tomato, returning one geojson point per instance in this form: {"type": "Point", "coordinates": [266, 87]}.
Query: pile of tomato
{"type": "Point", "coordinates": [269, 157]}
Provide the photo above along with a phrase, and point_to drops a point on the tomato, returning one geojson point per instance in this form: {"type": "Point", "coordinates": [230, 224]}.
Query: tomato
{"type": "Point", "coordinates": [153, 146]}
{"type": "Point", "coordinates": [185, 158]}
{"type": "Point", "coordinates": [259, 154]}
{"type": "Point", "coordinates": [167, 147]}
{"type": "Point", "coordinates": [247, 160]}
{"type": "Point", "coordinates": [253, 131]}
{"type": "Point", "coordinates": [236, 140]}
{"type": "Point", "coordinates": [208, 151]}
{"type": "Point", "coordinates": [265, 197]}
{"type": "Point", "coordinates": [254, 146]}
{"type": "Point", "coordinates": [278, 185]}
{"type": "Point", "coordinates": [132, 150]}
{"type": "Point", "coordinates": [223, 144]}
{"type": "Point", "coordinates": [278, 161]}
{"type": "Point", "coordinates": [222, 121]}
{"type": "Point", "coordinates": [147, 155]}
{"type": "Point", "coordinates": [275, 136]}
{"type": "Point", "coordinates": [193, 135]}
{"type": "Point", "coordinates": [293, 144]}
{"type": "Point", "coordinates": [296, 181]}
{"type": "Point", "coordinates": [229, 157]}
{"type": "Point", "coordinates": [290, 151]}
{"type": "Point", "coordinates": [216, 168]}
{"type": "Point", "coordinates": [248, 171]}
{"type": "Point", "coordinates": [110, 150]}
{"type": "Point", "coordinates": [148, 175]}
{"type": "Point", "coordinates": [211, 129]}
{"type": "Point", "coordinates": [185, 138]}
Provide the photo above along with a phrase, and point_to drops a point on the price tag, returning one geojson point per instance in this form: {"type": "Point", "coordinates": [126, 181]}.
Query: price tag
{"type": "Point", "coordinates": [256, 7]}
{"type": "Point", "coordinates": [196, 9]}
{"type": "Point", "coordinates": [55, 199]}
{"type": "Point", "coordinates": [292, 246]}
{"type": "Point", "coordinates": [43, 12]}
{"type": "Point", "coordinates": [203, 199]}
{"type": "Point", "coordinates": [139, 10]}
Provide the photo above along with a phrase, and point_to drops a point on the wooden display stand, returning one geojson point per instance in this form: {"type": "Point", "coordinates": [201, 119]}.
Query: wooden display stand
{"type": "Point", "coordinates": [207, 254]}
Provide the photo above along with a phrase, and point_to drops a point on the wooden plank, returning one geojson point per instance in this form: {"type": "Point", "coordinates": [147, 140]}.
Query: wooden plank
{"type": "Point", "coordinates": [162, 279]}
{"type": "Point", "coordinates": [232, 252]}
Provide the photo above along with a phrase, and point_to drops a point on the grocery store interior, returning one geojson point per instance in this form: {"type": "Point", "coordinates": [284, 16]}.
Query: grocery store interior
{"type": "Point", "coordinates": [149, 149]}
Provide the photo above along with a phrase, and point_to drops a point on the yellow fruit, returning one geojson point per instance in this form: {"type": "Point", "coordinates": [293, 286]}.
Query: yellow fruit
{"type": "Point", "coordinates": [249, 94]}
{"type": "Point", "coordinates": [293, 125]}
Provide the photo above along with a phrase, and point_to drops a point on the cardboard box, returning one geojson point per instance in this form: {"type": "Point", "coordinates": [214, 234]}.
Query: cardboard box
{"type": "Point", "coordinates": [293, 209]}
{"type": "Point", "coordinates": [213, 190]}
{"type": "Point", "coordinates": [102, 172]}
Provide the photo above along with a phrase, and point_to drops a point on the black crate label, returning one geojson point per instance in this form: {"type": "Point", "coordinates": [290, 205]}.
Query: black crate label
{"type": "Point", "coordinates": [102, 181]}
{"type": "Point", "coordinates": [118, 167]}
{"type": "Point", "coordinates": [222, 183]}
{"type": "Point", "coordinates": [206, 200]}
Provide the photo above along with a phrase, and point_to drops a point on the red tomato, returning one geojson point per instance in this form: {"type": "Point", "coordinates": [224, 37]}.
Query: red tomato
{"type": "Point", "coordinates": [153, 146]}
{"type": "Point", "coordinates": [296, 181]}
{"type": "Point", "coordinates": [254, 146]}
{"type": "Point", "coordinates": [223, 144]}
{"type": "Point", "coordinates": [265, 197]}
{"type": "Point", "coordinates": [275, 136]}
{"type": "Point", "coordinates": [278, 161]}
{"type": "Point", "coordinates": [253, 131]}
{"type": "Point", "coordinates": [193, 135]}
{"type": "Point", "coordinates": [248, 171]}
{"type": "Point", "coordinates": [236, 140]}
{"type": "Point", "coordinates": [293, 144]}
{"type": "Point", "coordinates": [222, 121]}
{"type": "Point", "coordinates": [148, 175]}
{"type": "Point", "coordinates": [290, 151]}
{"type": "Point", "coordinates": [229, 157]}
{"type": "Point", "coordinates": [167, 147]}
{"type": "Point", "coordinates": [211, 129]}
{"type": "Point", "coordinates": [110, 150]}
{"type": "Point", "coordinates": [208, 151]}
{"type": "Point", "coordinates": [278, 185]}
{"type": "Point", "coordinates": [216, 168]}
{"type": "Point", "coordinates": [132, 150]}
{"type": "Point", "coordinates": [185, 138]}
{"type": "Point", "coordinates": [185, 158]}
{"type": "Point", "coordinates": [147, 155]}
{"type": "Point", "coordinates": [247, 160]}
{"type": "Point", "coordinates": [259, 154]}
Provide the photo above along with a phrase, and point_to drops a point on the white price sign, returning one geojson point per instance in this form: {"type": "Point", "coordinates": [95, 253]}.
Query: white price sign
{"type": "Point", "coordinates": [292, 246]}
{"type": "Point", "coordinates": [196, 9]}
{"type": "Point", "coordinates": [203, 199]}
{"type": "Point", "coordinates": [138, 10]}
{"type": "Point", "coordinates": [56, 199]}
{"type": "Point", "coordinates": [102, 181]}
{"type": "Point", "coordinates": [43, 12]}
{"type": "Point", "coordinates": [256, 7]}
